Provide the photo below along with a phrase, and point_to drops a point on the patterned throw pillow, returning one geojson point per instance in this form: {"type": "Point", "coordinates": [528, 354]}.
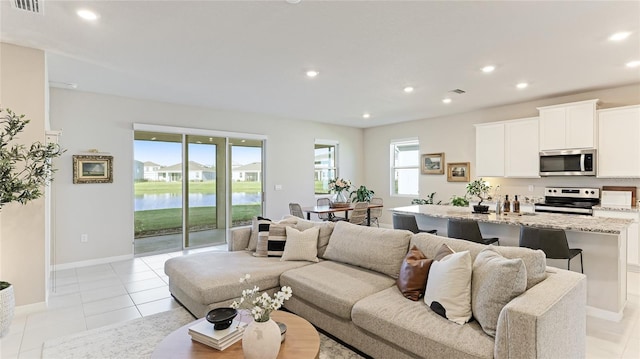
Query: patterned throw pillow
{"type": "Point", "coordinates": [277, 239]}
{"type": "Point", "coordinates": [262, 239]}
{"type": "Point", "coordinates": [413, 274]}
{"type": "Point", "coordinates": [255, 223]}
{"type": "Point", "coordinates": [496, 281]}
{"type": "Point", "coordinates": [448, 291]}
{"type": "Point", "coordinates": [301, 246]}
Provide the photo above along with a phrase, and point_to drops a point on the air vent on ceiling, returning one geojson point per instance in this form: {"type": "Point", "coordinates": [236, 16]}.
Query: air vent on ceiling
{"type": "Point", "coordinates": [458, 91]}
{"type": "Point", "coordinates": [34, 6]}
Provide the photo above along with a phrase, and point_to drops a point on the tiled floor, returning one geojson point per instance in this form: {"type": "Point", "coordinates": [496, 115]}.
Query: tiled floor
{"type": "Point", "coordinates": [91, 297]}
{"type": "Point", "coordinates": [100, 295]}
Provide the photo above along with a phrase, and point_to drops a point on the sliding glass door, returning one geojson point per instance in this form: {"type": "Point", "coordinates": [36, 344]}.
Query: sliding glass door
{"type": "Point", "coordinates": [190, 188]}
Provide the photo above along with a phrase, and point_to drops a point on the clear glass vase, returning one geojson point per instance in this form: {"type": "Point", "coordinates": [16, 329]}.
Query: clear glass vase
{"type": "Point", "coordinates": [339, 199]}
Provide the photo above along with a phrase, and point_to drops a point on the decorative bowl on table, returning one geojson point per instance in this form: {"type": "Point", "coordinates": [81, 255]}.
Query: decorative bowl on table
{"type": "Point", "coordinates": [221, 318]}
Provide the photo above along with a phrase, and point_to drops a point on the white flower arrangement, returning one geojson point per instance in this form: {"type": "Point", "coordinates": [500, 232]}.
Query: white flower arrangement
{"type": "Point", "coordinates": [261, 305]}
{"type": "Point", "coordinates": [339, 184]}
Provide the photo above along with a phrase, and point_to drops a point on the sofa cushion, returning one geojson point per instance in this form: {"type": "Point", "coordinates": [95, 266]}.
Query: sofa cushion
{"type": "Point", "coordinates": [212, 277]}
{"type": "Point", "coordinates": [334, 287]}
{"type": "Point", "coordinates": [448, 291]}
{"type": "Point", "coordinates": [419, 330]}
{"type": "Point", "coordinates": [326, 228]}
{"type": "Point", "coordinates": [413, 274]}
{"type": "Point", "coordinates": [301, 246]}
{"type": "Point", "coordinates": [495, 282]}
{"type": "Point", "coordinates": [378, 249]}
{"type": "Point", "coordinates": [534, 260]}
{"type": "Point", "coordinates": [262, 247]}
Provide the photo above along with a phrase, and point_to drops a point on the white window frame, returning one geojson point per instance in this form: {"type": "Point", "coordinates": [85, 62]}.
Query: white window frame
{"type": "Point", "coordinates": [336, 166]}
{"type": "Point", "coordinates": [392, 147]}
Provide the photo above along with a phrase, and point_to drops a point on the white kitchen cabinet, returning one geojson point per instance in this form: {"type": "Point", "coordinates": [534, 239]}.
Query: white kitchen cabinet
{"type": "Point", "coordinates": [521, 148]}
{"type": "Point", "coordinates": [568, 126]}
{"type": "Point", "coordinates": [490, 149]}
{"type": "Point", "coordinates": [507, 148]}
{"type": "Point", "coordinates": [633, 234]}
{"type": "Point", "coordinates": [619, 142]}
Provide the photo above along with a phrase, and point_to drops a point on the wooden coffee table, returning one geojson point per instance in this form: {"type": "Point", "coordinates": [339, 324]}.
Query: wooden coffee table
{"type": "Point", "coordinates": [301, 341]}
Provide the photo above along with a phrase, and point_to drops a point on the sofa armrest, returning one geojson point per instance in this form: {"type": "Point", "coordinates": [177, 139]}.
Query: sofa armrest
{"type": "Point", "coordinates": [546, 321]}
{"type": "Point", "coordinates": [239, 239]}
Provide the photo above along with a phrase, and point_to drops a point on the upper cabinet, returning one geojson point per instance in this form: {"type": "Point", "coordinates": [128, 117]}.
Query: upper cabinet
{"type": "Point", "coordinates": [490, 150]}
{"type": "Point", "coordinates": [507, 148]}
{"type": "Point", "coordinates": [619, 142]}
{"type": "Point", "coordinates": [568, 126]}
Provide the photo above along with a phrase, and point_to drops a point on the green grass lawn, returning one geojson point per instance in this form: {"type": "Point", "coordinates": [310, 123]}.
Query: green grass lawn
{"type": "Point", "coordinates": [169, 220]}
{"type": "Point", "coordinates": [208, 187]}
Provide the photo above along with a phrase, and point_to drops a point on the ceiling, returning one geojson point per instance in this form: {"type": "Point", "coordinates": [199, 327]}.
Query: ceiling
{"type": "Point", "coordinates": [252, 55]}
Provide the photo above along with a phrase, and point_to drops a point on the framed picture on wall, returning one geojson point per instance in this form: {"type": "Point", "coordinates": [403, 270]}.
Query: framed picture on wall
{"type": "Point", "coordinates": [92, 169]}
{"type": "Point", "coordinates": [432, 164]}
{"type": "Point", "coordinates": [458, 172]}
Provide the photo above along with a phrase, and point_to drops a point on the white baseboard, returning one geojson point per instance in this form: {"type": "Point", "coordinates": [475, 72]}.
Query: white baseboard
{"type": "Point", "coordinates": [91, 262]}
{"type": "Point", "coordinates": [30, 308]}
{"type": "Point", "coordinates": [604, 314]}
{"type": "Point", "coordinates": [635, 268]}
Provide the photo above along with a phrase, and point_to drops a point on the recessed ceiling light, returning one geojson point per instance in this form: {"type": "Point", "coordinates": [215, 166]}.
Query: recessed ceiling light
{"type": "Point", "coordinates": [87, 14]}
{"type": "Point", "coordinates": [619, 36]}
{"type": "Point", "coordinates": [522, 85]}
{"type": "Point", "coordinates": [633, 64]}
{"type": "Point", "coordinates": [488, 68]}
{"type": "Point", "coordinates": [446, 100]}
{"type": "Point", "coordinates": [408, 89]}
{"type": "Point", "coordinates": [366, 115]}
{"type": "Point", "coordinates": [312, 73]}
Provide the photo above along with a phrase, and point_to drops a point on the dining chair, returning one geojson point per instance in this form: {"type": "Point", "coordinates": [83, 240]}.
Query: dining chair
{"type": "Point", "coordinates": [322, 202]}
{"type": "Point", "coordinates": [468, 230]}
{"type": "Point", "coordinates": [359, 213]}
{"type": "Point", "coordinates": [409, 222]}
{"type": "Point", "coordinates": [375, 213]}
{"type": "Point", "coordinates": [553, 242]}
{"type": "Point", "coordinates": [296, 210]}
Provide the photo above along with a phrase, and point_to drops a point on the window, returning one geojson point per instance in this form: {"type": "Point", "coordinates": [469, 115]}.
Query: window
{"type": "Point", "coordinates": [326, 165]}
{"type": "Point", "coordinates": [405, 167]}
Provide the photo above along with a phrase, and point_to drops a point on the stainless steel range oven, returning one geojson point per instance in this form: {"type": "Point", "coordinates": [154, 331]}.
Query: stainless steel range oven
{"type": "Point", "coordinates": [569, 200]}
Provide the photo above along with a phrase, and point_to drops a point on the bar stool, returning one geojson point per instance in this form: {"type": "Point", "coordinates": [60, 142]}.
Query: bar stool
{"type": "Point", "coordinates": [408, 222]}
{"type": "Point", "coordinates": [553, 242]}
{"type": "Point", "coordinates": [467, 230]}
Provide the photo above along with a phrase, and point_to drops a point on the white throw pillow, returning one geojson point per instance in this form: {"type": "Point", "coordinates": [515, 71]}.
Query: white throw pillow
{"type": "Point", "coordinates": [301, 246]}
{"type": "Point", "coordinates": [448, 290]}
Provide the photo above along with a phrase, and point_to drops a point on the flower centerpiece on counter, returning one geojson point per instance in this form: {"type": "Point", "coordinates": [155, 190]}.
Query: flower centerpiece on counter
{"type": "Point", "coordinates": [338, 185]}
{"type": "Point", "coordinates": [261, 338]}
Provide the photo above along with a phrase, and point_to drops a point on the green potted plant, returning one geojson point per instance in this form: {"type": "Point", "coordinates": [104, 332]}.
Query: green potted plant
{"type": "Point", "coordinates": [480, 189]}
{"type": "Point", "coordinates": [459, 201]}
{"type": "Point", "coordinates": [362, 194]}
{"type": "Point", "coordinates": [23, 172]}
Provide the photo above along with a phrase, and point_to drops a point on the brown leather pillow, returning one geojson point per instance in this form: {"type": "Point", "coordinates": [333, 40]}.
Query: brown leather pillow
{"type": "Point", "coordinates": [412, 280]}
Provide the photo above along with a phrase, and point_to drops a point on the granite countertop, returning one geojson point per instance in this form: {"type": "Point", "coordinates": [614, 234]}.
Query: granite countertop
{"type": "Point", "coordinates": [549, 220]}
{"type": "Point", "coordinates": [618, 208]}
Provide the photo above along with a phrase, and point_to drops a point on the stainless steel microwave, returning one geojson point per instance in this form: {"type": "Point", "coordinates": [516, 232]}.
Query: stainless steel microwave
{"type": "Point", "coordinates": [568, 163]}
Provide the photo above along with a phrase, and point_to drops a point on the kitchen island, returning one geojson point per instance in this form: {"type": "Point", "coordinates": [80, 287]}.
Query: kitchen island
{"type": "Point", "coordinates": [603, 241]}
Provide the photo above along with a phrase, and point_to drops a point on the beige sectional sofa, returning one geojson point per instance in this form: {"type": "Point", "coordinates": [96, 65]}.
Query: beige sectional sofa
{"type": "Point", "coordinates": [352, 294]}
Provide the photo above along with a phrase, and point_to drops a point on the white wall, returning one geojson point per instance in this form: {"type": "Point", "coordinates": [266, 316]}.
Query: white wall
{"type": "Point", "coordinates": [105, 211]}
{"type": "Point", "coordinates": [22, 227]}
{"type": "Point", "coordinates": [455, 136]}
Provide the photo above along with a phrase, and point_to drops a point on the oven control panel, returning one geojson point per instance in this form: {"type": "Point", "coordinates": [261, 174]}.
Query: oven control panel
{"type": "Point", "coordinates": [572, 192]}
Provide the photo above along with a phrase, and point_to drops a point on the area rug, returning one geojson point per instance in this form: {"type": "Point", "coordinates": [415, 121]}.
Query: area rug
{"type": "Point", "coordinates": [138, 338]}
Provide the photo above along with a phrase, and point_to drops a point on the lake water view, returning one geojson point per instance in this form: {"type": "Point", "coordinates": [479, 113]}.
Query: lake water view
{"type": "Point", "coordinates": [167, 200]}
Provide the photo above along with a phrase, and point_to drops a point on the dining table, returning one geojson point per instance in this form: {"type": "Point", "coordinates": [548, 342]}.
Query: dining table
{"type": "Point", "coordinates": [345, 209]}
